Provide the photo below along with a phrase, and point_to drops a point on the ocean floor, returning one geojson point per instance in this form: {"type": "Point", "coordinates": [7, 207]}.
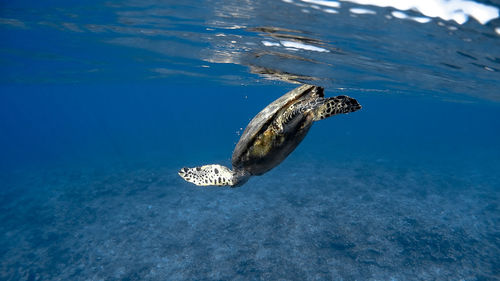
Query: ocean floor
{"type": "Point", "coordinates": [301, 221]}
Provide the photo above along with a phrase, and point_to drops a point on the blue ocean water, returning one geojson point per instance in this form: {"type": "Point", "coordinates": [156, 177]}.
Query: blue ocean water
{"type": "Point", "coordinates": [102, 102]}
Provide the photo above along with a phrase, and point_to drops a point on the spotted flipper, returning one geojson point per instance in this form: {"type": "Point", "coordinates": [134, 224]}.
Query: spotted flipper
{"type": "Point", "coordinates": [209, 175]}
{"type": "Point", "coordinates": [335, 105]}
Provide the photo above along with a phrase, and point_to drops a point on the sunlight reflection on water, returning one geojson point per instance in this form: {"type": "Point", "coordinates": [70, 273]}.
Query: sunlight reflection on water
{"type": "Point", "coordinates": [365, 44]}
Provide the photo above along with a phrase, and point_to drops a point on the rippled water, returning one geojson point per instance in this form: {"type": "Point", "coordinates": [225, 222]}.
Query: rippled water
{"type": "Point", "coordinates": [102, 102]}
{"type": "Point", "coordinates": [334, 44]}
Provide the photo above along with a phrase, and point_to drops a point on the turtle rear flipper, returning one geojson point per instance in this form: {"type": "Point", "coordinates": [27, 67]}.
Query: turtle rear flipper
{"type": "Point", "coordinates": [335, 105]}
{"type": "Point", "coordinates": [210, 175]}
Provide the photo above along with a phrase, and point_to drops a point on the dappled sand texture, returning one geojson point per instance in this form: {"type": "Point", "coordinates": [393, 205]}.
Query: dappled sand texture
{"type": "Point", "coordinates": [299, 222]}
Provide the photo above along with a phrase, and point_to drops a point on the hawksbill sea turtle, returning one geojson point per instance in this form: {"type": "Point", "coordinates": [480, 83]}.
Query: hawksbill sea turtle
{"type": "Point", "coordinates": [272, 135]}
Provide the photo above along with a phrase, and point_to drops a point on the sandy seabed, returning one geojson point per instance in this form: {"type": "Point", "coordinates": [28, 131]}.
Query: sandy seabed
{"type": "Point", "coordinates": [353, 221]}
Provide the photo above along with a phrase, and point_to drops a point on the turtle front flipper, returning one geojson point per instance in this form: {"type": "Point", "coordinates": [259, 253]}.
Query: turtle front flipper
{"type": "Point", "coordinates": [335, 105]}
{"type": "Point", "coordinates": [210, 175]}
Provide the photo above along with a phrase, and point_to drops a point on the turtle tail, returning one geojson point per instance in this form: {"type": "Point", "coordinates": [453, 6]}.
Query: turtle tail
{"type": "Point", "coordinates": [212, 175]}
{"type": "Point", "coordinates": [335, 105]}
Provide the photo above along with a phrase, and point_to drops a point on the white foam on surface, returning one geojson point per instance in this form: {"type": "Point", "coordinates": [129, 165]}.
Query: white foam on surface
{"type": "Point", "coordinates": [270, 44]}
{"type": "Point", "coordinates": [333, 4]}
{"type": "Point", "coordinates": [361, 11]}
{"type": "Point", "coordinates": [457, 10]}
{"type": "Point", "coordinates": [421, 19]}
{"type": "Point", "coordinates": [297, 45]}
{"type": "Point", "coordinates": [331, 11]}
{"type": "Point", "coordinates": [497, 30]}
{"type": "Point", "coordinates": [401, 15]}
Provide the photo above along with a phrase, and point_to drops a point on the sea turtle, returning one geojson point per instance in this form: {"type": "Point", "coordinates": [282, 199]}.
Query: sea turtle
{"type": "Point", "coordinates": [272, 135]}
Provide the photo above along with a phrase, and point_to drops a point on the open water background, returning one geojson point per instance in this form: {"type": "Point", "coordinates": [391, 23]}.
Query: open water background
{"type": "Point", "coordinates": [102, 102]}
